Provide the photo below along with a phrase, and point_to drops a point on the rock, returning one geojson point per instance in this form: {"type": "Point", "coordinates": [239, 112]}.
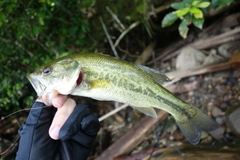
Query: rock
{"type": "Point", "coordinates": [221, 75]}
{"type": "Point", "coordinates": [220, 120]}
{"type": "Point", "coordinates": [221, 89]}
{"type": "Point", "coordinates": [189, 58]}
{"type": "Point", "coordinates": [233, 119]}
{"type": "Point", "coordinates": [218, 133]}
{"type": "Point", "coordinates": [212, 58]}
{"type": "Point", "coordinates": [223, 106]}
{"type": "Point", "coordinates": [223, 50]}
{"type": "Point", "coordinates": [216, 112]}
{"type": "Point", "coordinates": [236, 73]}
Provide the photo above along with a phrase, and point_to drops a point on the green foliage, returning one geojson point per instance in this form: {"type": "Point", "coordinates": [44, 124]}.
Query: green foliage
{"type": "Point", "coordinates": [169, 19]}
{"type": "Point", "coordinates": [221, 3]}
{"type": "Point", "coordinates": [33, 33]}
{"type": "Point", "coordinates": [190, 12]}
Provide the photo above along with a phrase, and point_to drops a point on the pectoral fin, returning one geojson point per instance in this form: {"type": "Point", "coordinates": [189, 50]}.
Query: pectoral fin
{"type": "Point", "coordinates": [148, 111]}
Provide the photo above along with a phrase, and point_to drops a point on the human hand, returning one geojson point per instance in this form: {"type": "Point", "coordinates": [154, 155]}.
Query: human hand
{"type": "Point", "coordinates": [74, 127]}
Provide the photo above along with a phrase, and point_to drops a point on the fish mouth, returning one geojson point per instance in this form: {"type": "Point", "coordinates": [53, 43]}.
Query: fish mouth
{"type": "Point", "coordinates": [38, 87]}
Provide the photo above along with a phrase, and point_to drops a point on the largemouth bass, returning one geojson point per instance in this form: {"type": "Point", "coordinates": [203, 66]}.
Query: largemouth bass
{"type": "Point", "coordinates": [103, 77]}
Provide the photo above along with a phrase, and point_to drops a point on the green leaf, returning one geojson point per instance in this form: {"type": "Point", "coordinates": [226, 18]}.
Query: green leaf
{"type": "Point", "coordinates": [221, 3]}
{"type": "Point", "coordinates": [195, 3]}
{"type": "Point", "coordinates": [169, 19]}
{"type": "Point", "coordinates": [183, 29]}
{"type": "Point", "coordinates": [140, 8]}
{"type": "Point", "coordinates": [215, 3]}
{"type": "Point", "coordinates": [197, 13]}
{"type": "Point", "coordinates": [40, 21]}
{"type": "Point", "coordinates": [183, 12]}
{"type": "Point", "coordinates": [204, 5]}
{"type": "Point", "coordinates": [187, 3]}
{"type": "Point", "coordinates": [178, 5]}
{"type": "Point", "coordinates": [188, 18]}
{"type": "Point", "coordinates": [198, 22]}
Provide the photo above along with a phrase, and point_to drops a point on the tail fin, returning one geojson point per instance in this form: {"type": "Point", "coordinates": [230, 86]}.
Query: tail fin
{"type": "Point", "coordinates": [193, 128]}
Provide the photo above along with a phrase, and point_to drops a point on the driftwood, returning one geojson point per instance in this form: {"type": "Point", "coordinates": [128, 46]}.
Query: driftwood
{"type": "Point", "coordinates": [133, 137]}
{"type": "Point", "coordinates": [188, 152]}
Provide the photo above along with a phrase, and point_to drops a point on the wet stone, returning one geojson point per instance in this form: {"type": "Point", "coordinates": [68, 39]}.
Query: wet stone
{"type": "Point", "coordinates": [191, 55]}
{"type": "Point", "coordinates": [216, 111]}
{"type": "Point", "coordinates": [233, 119]}
{"type": "Point", "coordinates": [222, 89]}
{"type": "Point", "coordinates": [223, 106]}
{"type": "Point", "coordinates": [220, 120]}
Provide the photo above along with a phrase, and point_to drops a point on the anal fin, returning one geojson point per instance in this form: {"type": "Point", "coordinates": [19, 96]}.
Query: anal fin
{"type": "Point", "coordinates": [147, 110]}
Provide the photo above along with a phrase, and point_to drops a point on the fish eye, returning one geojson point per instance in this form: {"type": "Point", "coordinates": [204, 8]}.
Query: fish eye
{"type": "Point", "coordinates": [47, 70]}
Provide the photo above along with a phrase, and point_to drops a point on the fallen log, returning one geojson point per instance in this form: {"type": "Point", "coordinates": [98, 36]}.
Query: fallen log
{"type": "Point", "coordinates": [133, 137]}
{"type": "Point", "coordinates": [197, 152]}
{"type": "Point", "coordinates": [187, 152]}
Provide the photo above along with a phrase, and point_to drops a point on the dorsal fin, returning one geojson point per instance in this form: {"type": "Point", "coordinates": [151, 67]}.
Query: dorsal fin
{"type": "Point", "coordinates": [159, 77]}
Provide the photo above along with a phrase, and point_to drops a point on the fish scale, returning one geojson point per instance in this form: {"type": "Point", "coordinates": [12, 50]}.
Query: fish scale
{"type": "Point", "coordinates": [108, 78]}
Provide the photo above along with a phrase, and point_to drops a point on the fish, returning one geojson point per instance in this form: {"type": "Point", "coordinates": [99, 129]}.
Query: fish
{"type": "Point", "coordinates": [103, 77]}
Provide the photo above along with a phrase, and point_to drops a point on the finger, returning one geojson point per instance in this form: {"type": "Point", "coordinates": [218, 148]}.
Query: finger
{"type": "Point", "coordinates": [59, 100]}
{"type": "Point", "coordinates": [73, 123]}
{"type": "Point", "coordinates": [60, 118]}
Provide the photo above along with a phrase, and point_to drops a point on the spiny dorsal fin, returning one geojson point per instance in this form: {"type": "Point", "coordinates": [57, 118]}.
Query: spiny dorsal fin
{"type": "Point", "coordinates": [159, 77]}
{"type": "Point", "coordinates": [147, 110]}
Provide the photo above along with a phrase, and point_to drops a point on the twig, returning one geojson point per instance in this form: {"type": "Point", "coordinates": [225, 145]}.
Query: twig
{"type": "Point", "coordinates": [146, 54]}
{"type": "Point", "coordinates": [21, 46]}
{"type": "Point", "coordinates": [171, 48]}
{"type": "Point", "coordinates": [175, 48]}
{"type": "Point", "coordinates": [167, 84]}
{"type": "Point", "coordinates": [164, 6]}
{"type": "Point", "coordinates": [108, 37]}
{"type": "Point", "coordinates": [126, 52]}
{"type": "Point", "coordinates": [197, 71]}
{"type": "Point", "coordinates": [116, 18]}
{"type": "Point", "coordinates": [112, 112]}
{"type": "Point", "coordinates": [126, 31]}
{"type": "Point", "coordinates": [232, 35]}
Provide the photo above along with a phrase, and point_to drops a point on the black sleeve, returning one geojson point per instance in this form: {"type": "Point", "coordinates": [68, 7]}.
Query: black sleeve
{"type": "Point", "coordinates": [35, 140]}
{"type": "Point", "coordinates": [76, 135]}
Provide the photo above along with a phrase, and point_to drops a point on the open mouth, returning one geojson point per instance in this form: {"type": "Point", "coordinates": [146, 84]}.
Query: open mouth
{"type": "Point", "coordinates": [38, 87]}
